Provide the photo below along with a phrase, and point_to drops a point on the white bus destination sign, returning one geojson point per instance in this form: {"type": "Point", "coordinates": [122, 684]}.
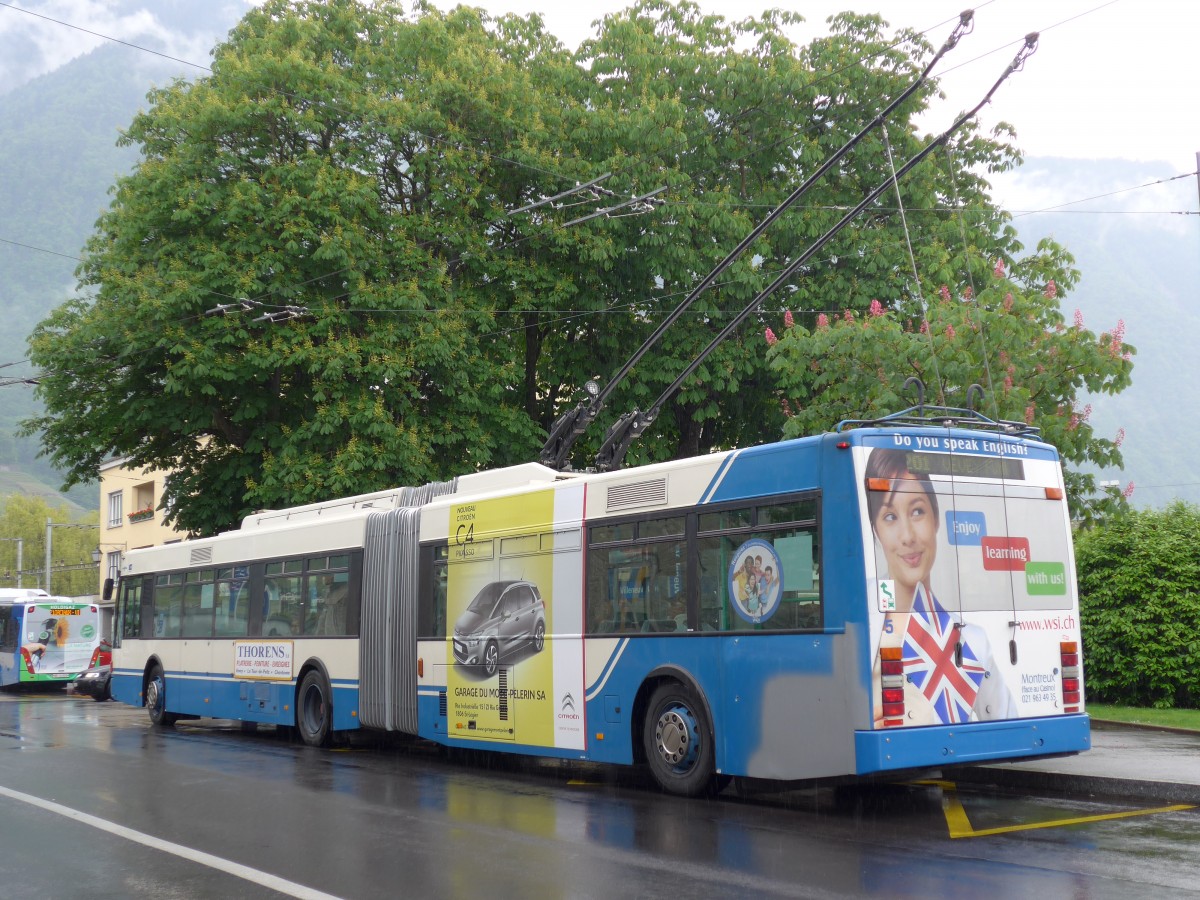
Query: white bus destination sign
{"type": "Point", "coordinates": [263, 660]}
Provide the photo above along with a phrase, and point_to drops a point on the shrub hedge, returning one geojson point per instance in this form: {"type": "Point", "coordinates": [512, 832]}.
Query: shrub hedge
{"type": "Point", "coordinates": [1139, 598]}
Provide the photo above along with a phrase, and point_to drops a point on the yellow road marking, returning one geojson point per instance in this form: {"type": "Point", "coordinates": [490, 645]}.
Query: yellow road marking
{"type": "Point", "coordinates": [960, 825]}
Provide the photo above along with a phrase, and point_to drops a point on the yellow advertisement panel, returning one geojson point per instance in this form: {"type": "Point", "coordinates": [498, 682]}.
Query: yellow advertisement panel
{"type": "Point", "coordinates": [500, 599]}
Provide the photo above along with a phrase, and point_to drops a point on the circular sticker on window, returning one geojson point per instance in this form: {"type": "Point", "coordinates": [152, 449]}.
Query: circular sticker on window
{"type": "Point", "coordinates": [755, 580]}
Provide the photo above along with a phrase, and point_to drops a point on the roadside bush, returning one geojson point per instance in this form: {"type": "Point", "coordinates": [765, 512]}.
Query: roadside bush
{"type": "Point", "coordinates": [1139, 598]}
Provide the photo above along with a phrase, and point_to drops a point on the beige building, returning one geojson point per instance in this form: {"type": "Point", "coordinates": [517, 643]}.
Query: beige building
{"type": "Point", "coordinates": [130, 516]}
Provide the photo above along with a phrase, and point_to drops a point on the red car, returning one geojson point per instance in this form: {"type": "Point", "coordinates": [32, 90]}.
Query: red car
{"type": "Point", "coordinates": [95, 681]}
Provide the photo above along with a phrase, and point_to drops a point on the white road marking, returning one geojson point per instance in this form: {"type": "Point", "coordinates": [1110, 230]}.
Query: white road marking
{"type": "Point", "coordinates": [265, 879]}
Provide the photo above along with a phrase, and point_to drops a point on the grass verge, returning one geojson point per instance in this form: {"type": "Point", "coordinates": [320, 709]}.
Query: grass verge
{"type": "Point", "coordinates": [1161, 718]}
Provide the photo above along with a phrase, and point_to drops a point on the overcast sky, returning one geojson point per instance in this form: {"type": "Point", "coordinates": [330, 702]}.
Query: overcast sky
{"type": "Point", "coordinates": [1111, 78]}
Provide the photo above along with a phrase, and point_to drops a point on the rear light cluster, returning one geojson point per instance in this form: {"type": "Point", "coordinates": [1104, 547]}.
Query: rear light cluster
{"type": "Point", "coordinates": [891, 670]}
{"type": "Point", "coordinates": [1072, 684]}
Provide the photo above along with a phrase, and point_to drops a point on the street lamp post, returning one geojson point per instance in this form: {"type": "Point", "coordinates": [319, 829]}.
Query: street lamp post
{"type": "Point", "coordinates": [50, 525]}
{"type": "Point", "coordinates": [20, 542]}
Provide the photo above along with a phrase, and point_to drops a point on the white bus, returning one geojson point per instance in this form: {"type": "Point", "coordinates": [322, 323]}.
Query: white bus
{"type": "Point", "coordinates": [887, 598]}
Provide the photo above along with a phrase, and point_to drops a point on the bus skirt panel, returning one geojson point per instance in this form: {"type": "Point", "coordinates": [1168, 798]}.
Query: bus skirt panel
{"type": "Point", "coordinates": [970, 742]}
{"type": "Point", "coordinates": [222, 697]}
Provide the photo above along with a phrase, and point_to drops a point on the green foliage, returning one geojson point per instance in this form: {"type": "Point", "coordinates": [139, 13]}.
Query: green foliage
{"type": "Point", "coordinates": [1010, 337]}
{"type": "Point", "coordinates": [359, 161]}
{"type": "Point", "coordinates": [1140, 607]}
{"type": "Point", "coordinates": [25, 517]}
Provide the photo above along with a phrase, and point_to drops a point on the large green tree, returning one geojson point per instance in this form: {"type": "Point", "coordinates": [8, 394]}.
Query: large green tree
{"type": "Point", "coordinates": [360, 161]}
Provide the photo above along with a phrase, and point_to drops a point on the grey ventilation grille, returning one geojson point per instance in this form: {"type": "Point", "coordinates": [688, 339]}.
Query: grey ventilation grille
{"type": "Point", "coordinates": [641, 493]}
{"type": "Point", "coordinates": [201, 555]}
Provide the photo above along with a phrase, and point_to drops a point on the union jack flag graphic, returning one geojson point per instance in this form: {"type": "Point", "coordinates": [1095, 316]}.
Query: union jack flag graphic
{"type": "Point", "coordinates": [929, 643]}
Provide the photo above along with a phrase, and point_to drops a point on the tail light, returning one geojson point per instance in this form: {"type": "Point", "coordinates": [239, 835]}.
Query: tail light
{"type": "Point", "coordinates": [1072, 682]}
{"type": "Point", "coordinates": [891, 680]}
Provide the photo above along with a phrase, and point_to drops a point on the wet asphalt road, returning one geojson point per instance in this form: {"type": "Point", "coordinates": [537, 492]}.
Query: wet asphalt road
{"type": "Point", "coordinates": [96, 803]}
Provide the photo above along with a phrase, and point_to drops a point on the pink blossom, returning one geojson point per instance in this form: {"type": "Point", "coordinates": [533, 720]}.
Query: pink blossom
{"type": "Point", "coordinates": [1008, 302]}
{"type": "Point", "coordinates": [1118, 336]}
{"type": "Point", "coordinates": [848, 316]}
{"type": "Point", "coordinates": [1074, 423]}
{"type": "Point", "coordinates": [924, 327]}
{"type": "Point", "coordinates": [1051, 289]}
{"type": "Point", "coordinates": [950, 332]}
{"type": "Point", "coordinates": [945, 292]}
{"type": "Point", "coordinates": [1128, 492]}
{"type": "Point", "coordinates": [822, 322]}
{"type": "Point", "coordinates": [1029, 411]}
{"type": "Point", "coordinates": [968, 293]}
{"type": "Point", "coordinates": [786, 407]}
{"type": "Point", "coordinates": [788, 321]}
{"type": "Point", "coordinates": [876, 309]}
{"type": "Point", "coordinates": [1087, 412]}
{"type": "Point", "coordinates": [999, 270]}
{"type": "Point", "coordinates": [1120, 438]}
{"type": "Point", "coordinates": [770, 336]}
{"type": "Point", "coordinates": [1008, 383]}
{"type": "Point", "coordinates": [1078, 316]}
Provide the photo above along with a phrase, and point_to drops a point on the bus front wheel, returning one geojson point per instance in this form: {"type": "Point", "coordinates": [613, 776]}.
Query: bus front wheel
{"type": "Point", "coordinates": [678, 742]}
{"type": "Point", "coordinates": [156, 699]}
{"type": "Point", "coordinates": [314, 710]}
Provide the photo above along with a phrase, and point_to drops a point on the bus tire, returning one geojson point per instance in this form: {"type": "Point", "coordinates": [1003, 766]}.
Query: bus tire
{"type": "Point", "coordinates": [678, 742]}
{"type": "Point", "coordinates": [314, 710]}
{"type": "Point", "coordinates": [156, 699]}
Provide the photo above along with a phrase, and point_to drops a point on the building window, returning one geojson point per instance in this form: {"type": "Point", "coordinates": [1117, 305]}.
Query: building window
{"type": "Point", "coordinates": [115, 509]}
{"type": "Point", "coordinates": [114, 565]}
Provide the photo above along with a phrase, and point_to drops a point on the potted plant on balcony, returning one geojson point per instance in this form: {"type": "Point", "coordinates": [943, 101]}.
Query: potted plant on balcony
{"type": "Point", "coordinates": [141, 515]}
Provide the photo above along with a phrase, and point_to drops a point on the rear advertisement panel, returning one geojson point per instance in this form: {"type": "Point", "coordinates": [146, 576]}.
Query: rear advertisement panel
{"type": "Point", "coordinates": [58, 640]}
{"type": "Point", "coordinates": [971, 571]}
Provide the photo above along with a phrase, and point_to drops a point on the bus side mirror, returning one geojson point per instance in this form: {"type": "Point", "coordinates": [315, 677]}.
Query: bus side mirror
{"type": "Point", "coordinates": [108, 590]}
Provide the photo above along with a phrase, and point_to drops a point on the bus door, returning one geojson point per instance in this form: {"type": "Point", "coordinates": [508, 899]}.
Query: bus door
{"type": "Point", "coordinates": [10, 627]}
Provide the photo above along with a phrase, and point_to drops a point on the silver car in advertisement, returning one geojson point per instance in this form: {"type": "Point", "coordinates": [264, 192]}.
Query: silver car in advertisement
{"type": "Point", "coordinates": [504, 617]}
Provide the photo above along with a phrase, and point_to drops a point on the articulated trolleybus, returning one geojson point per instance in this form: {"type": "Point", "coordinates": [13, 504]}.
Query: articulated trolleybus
{"type": "Point", "coordinates": [45, 639]}
{"type": "Point", "coordinates": [895, 596]}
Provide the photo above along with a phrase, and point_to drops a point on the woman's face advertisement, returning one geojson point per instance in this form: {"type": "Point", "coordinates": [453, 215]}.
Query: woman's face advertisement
{"type": "Point", "coordinates": [907, 529]}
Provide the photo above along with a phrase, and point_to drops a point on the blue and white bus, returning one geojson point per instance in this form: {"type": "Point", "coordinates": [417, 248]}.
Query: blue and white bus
{"type": "Point", "coordinates": [45, 639]}
{"type": "Point", "coordinates": [892, 597]}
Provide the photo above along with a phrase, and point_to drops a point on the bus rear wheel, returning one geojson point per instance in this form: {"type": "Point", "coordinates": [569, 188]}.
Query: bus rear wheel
{"type": "Point", "coordinates": [678, 742]}
{"type": "Point", "coordinates": [156, 699]}
{"type": "Point", "coordinates": [314, 710]}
